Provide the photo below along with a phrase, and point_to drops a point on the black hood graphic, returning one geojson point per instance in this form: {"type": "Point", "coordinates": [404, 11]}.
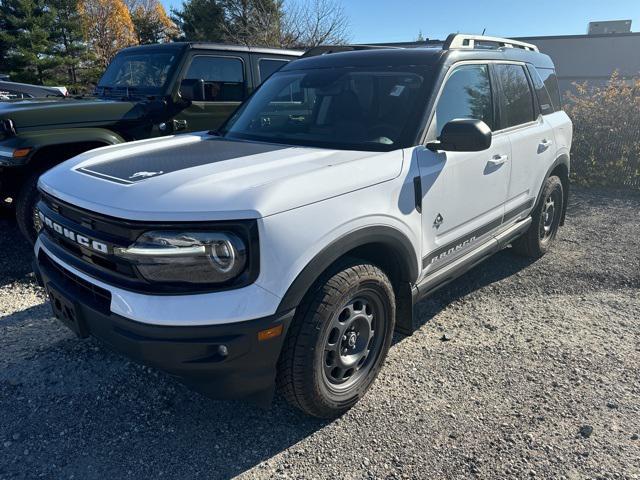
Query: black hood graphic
{"type": "Point", "coordinates": [136, 168]}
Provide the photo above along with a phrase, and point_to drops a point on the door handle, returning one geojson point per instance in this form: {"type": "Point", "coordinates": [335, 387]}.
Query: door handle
{"type": "Point", "coordinates": [544, 144]}
{"type": "Point", "coordinates": [498, 160]}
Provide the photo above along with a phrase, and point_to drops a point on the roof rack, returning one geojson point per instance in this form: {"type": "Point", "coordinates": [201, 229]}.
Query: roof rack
{"type": "Point", "coordinates": [326, 49]}
{"type": "Point", "coordinates": [462, 41]}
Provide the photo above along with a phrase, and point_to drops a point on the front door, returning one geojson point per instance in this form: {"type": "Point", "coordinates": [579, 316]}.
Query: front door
{"type": "Point", "coordinates": [464, 193]}
{"type": "Point", "coordinates": [225, 87]}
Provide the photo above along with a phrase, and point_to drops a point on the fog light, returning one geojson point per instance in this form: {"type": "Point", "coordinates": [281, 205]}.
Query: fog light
{"type": "Point", "coordinates": [223, 351]}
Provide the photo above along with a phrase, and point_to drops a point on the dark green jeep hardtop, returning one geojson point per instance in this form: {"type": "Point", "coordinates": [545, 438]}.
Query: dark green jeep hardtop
{"type": "Point", "coordinates": [146, 91]}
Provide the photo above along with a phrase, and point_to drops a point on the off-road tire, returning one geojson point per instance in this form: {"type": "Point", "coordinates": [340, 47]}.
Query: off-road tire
{"type": "Point", "coordinates": [26, 201]}
{"type": "Point", "coordinates": [303, 365]}
{"type": "Point", "coordinates": [543, 230]}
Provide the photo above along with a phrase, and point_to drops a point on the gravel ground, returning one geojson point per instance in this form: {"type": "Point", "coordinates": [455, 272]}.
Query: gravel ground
{"type": "Point", "coordinates": [518, 370]}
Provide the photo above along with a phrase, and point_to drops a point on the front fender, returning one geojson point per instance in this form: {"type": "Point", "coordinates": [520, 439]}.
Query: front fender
{"type": "Point", "coordinates": [56, 137]}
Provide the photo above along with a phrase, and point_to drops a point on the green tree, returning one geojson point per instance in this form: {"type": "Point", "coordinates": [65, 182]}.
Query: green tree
{"type": "Point", "coordinates": [25, 35]}
{"type": "Point", "coordinates": [200, 20]}
{"type": "Point", "coordinates": [67, 42]}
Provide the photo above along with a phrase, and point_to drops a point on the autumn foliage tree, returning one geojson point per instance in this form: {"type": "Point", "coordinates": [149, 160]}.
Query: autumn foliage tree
{"type": "Point", "coordinates": [151, 22]}
{"type": "Point", "coordinates": [606, 140]}
{"type": "Point", "coordinates": [107, 27]}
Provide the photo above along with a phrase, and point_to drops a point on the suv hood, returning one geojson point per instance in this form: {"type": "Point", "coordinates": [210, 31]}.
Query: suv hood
{"type": "Point", "coordinates": [198, 177]}
{"type": "Point", "coordinates": [50, 112]}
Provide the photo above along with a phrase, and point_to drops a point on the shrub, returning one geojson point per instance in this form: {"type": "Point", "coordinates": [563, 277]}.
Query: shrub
{"type": "Point", "coordinates": [606, 137]}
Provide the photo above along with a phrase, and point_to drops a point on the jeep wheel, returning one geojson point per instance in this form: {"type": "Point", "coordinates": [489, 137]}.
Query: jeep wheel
{"type": "Point", "coordinates": [546, 220]}
{"type": "Point", "coordinates": [338, 341]}
{"type": "Point", "coordinates": [26, 213]}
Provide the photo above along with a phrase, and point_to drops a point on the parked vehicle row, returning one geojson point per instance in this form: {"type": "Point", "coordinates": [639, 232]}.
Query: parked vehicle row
{"type": "Point", "coordinates": [21, 91]}
{"type": "Point", "coordinates": [283, 247]}
{"type": "Point", "coordinates": [146, 91]}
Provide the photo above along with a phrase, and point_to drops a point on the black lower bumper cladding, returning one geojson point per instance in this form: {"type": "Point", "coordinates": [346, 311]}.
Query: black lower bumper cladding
{"type": "Point", "coordinates": [221, 361]}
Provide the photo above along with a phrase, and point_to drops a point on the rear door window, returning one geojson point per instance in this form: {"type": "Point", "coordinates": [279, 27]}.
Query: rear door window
{"type": "Point", "coordinates": [516, 98]}
{"type": "Point", "coordinates": [223, 77]}
{"type": "Point", "coordinates": [467, 94]}
{"type": "Point", "coordinates": [269, 66]}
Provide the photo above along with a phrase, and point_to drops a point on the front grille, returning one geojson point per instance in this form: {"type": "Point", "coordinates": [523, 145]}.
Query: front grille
{"type": "Point", "coordinates": [87, 291]}
{"type": "Point", "coordinates": [111, 233]}
{"type": "Point", "coordinates": [108, 228]}
{"type": "Point", "coordinates": [94, 227]}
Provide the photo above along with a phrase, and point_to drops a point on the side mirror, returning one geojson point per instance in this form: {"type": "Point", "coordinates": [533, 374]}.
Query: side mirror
{"type": "Point", "coordinates": [463, 135]}
{"type": "Point", "coordinates": [192, 89]}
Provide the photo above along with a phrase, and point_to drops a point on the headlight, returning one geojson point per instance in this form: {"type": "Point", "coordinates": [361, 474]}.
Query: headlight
{"type": "Point", "coordinates": [187, 257]}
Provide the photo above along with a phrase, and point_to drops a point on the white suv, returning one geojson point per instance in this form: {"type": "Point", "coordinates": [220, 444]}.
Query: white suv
{"type": "Point", "coordinates": [285, 248]}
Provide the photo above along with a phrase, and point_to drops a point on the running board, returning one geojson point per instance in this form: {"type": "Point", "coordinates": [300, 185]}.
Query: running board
{"type": "Point", "coordinates": [442, 277]}
{"type": "Point", "coordinates": [513, 232]}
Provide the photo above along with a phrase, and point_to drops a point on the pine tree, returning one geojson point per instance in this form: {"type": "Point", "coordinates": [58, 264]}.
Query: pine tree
{"type": "Point", "coordinates": [25, 36]}
{"type": "Point", "coordinates": [200, 20]}
{"type": "Point", "coordinates": [68, 45]}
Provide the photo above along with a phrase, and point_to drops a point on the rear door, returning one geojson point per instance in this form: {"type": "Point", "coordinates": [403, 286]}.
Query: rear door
{"type": "Point", "coordinates": [463, 192]}
{"type": "Point", "coordinates": [226, 84]}
{"type": "Point", "coordinates": [531, 135]}
{"type": "Point", "coordinates": [545, 83]}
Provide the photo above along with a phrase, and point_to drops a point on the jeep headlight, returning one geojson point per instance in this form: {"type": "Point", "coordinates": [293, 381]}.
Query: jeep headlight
{"type": "Point", "coordinates": [187, 257]}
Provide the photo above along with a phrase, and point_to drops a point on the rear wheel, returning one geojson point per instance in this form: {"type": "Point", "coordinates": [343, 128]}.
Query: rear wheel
{"type": "Point", "coordinates": [545, 221]}
{"type": "Point", "coordinates": [338, 341]}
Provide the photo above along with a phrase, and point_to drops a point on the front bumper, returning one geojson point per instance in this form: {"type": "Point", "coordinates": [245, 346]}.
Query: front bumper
{"type": "Point", "coordinates": [245, 367]}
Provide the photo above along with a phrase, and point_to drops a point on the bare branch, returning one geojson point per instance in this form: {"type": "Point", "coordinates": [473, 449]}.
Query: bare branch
{"type": "Point", "coordinates": [316, 22]}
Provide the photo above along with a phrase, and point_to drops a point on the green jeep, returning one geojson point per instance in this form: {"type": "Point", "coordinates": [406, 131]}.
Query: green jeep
{"type": "Point", "coordinates": [146, 91]}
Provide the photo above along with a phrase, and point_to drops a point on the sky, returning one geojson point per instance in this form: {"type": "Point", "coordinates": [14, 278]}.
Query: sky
{"type": "Point", "coordinates": [401, 20]}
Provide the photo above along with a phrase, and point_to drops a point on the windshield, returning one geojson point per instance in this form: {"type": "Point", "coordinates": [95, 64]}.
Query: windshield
{"type": "Point", "coordinates": [138, 72]}
{"type": "Point", "coordinates": [348, 108]}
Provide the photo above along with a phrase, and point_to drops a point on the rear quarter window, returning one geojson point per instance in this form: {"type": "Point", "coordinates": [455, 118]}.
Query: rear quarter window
{"type": "Point", "coordinates": [550, 80]}
{"type": "Point", "coordinates": [544, 100]}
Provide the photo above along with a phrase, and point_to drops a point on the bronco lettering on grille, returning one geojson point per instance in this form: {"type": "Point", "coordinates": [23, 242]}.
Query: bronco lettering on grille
{"type": "Point", "coordinates": [73, 236]}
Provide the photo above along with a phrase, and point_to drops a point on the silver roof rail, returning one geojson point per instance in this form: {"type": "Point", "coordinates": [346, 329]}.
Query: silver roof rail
{"type": "Point", "coordinates": [463, 41]}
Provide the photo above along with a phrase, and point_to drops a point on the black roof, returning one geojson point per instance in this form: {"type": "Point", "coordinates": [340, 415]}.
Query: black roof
{"type": "Point", "coordinates": [215, 46]}
{"type": "Point", "coordinates": [424, 56]}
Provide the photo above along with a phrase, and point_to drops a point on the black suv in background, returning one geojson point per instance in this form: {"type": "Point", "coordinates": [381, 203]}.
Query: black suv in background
{"type": "Point", "coordinates": [146, 91]}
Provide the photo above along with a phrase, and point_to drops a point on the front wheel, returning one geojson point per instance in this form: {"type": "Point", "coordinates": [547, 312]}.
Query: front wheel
{"type": "Point", "coordinates": [545, 221]}
{"type": "Point", "coordinates": [338, 340]}
{"type": "Point", "coordinates": [26, 212]}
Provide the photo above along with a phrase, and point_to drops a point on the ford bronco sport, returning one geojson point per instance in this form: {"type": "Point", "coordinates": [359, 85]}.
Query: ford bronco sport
{"type": "Point", "coordinates": [146, 91]}
{"type": "Point", "coordinates": [286, 247]}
